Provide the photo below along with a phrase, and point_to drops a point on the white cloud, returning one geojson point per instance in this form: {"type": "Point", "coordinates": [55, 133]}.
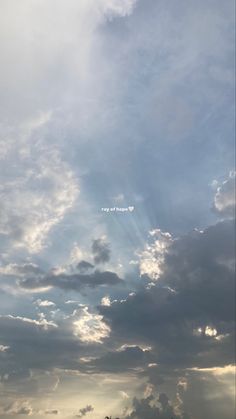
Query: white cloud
{"type": "Point", "coordinates": [117, 7]}
{"type": "Point", "coordinates": [4, 348]}
{"type": "Point", "coordinates": [210, 331]}
{"type": "Point", "coordinates": [89, 327]}
{"type": "Point", "coordinates": [36, 199]}
{"type": "Point", "coordinates": [42, 322]}
{"type": "Point", "coordinates": [224, 202]}
{"type": "Point", "coordinates": [152, 258]}
{"type": "Point", "coordinates": [105, 301]}
{"type": "Point", "coordinates": [45, 303]}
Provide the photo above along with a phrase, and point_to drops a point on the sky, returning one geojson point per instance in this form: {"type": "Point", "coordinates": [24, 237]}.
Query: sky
{"type": "Point", "coordinates": [117, 189]}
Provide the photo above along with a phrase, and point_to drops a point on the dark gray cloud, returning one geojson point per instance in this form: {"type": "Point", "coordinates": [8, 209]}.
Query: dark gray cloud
{"type": "Point", "coordinates": [205, 395]}
{"type": "Point", "coordinates": [42, 345]}
{"type": "Point", "coordinates": [83, 412]}
{"type": "Point", "coordinates": [101, 250]}
{"type": "Point", "coordinates": [84, 266]}
{"type": "Point", "coordinates": [123, 360]}
{"type": "Point", "coordinates": [151, 408]}
{"type": "Point", "coordinates": [184, 316]}
{"type": "Point", "coordinates": [158, 117]}
{"type": "Point", "coordinates": [75, 281]}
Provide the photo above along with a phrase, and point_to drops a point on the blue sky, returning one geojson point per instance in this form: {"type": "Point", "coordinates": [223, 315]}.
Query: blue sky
{"type": "Point", "coordinates": [117, 104]}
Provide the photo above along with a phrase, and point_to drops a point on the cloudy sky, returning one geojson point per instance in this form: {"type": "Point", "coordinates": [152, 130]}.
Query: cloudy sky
{"type": "Point", "coordinates": [117, 209]}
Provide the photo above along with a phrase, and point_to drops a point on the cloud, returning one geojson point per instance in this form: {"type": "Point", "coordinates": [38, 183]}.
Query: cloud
{"type": "Point", "coordinates": [208, 394]}
{"type": "Point", "coordinates": [42, 323]}
{"type": "Point", "coordinates": [101, 250]}
{"type": "Point", "coordinates": [52, 412]}
{"type": "Point", "coordinates": [4, 348]}
{"type": "Point", "coordinates": [153, 257]}
{"type": "Point", "coordinates": [151, 408]}
{"type": "Point", "coordinates": [90, 328]}
{"type": "Point", "coordinates": [126, 359]}
{"type": "Point", "coordinates": [20, 270]}
{"type": "Point", "coordinates": [30, 277]}
{"type": "Point", "coordinates": [42, 344]}
{"type": "Point", "coordinates": [105, 301]}
{"type": "Point", "coordinates": [45, 303]}
{"type": "Point", "coordinates": [84, 266]}
{"type": "Point", "coordinates": [43, 190]}
{"type": "Point", "coordinates": [18, 408]}
{"type": "Point", "coordinates": [39, 183]}
{"type": "Point", "coordinates": [84, 411]}
{"type": "Point", "coordinates": [119, 7]}
{"type": "Point", "coordinates": [184, 315]}
{"type": "Point", "coordinates": [35, 344]}
{"type": "Point", "coordinates": [75, 281]}
{"type": "Point", "coordinates": [152, 121]}
{"type": "Point", "coordinates": [224, 203]}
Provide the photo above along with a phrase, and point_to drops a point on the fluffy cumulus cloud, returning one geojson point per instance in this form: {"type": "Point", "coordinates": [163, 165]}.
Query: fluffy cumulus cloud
{"type": "Point", "coordinates": [224, 203]}
{"type": "Point", "coordinates": [90, 327]}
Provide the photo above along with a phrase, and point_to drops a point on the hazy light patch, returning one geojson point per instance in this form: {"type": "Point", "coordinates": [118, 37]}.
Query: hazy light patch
{"type": "Point", "coordinates": [119, 198]}
{"type": "Point", "coordinates": [35, 122]}
{"type": "Point", "coordinates": [76, 254]}
{"type": "Point", "coordinates": [217, 371]}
